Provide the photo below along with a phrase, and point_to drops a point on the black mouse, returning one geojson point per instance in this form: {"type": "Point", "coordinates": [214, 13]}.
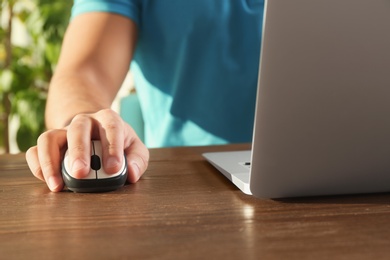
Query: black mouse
{"type": "Point", "coordinates": [97, 180]}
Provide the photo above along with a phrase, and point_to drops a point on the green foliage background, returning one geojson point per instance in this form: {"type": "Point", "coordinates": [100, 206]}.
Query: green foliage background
{"type": "Point", "coordinates": [25, 71]}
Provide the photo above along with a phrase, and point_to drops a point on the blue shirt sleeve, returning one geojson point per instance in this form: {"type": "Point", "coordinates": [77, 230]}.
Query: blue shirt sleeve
{"type": "Point", "coordinates": [127, 8]}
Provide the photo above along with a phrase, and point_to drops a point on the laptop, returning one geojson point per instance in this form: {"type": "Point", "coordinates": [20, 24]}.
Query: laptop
{"type": "Point", "coordinates": [322, 121]}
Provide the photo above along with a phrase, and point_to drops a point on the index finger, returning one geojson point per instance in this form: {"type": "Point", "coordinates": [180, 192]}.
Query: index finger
{"type": "Point", "coordinates": [79, 144]}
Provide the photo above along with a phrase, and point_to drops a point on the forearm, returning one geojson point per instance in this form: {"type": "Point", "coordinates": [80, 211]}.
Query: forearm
{"type": "Point", "coordinates": [93, 63]}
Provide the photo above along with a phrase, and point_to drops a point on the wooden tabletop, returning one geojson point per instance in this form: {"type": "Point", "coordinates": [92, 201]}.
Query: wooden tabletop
{"type": "Point", "coordinates": [182, 208]}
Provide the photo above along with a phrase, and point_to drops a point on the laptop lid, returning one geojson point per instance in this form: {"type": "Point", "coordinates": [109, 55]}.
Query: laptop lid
{"type": "Point", "coordinates": [322, 123]}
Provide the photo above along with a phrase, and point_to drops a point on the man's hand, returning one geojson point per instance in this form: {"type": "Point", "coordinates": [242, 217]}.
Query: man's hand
{"type": "Point", "coordinates": [116, 136]}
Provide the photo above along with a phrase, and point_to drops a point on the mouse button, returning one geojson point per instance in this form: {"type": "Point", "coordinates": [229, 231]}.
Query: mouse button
{"type": "Point", "coordinates": [95, 162]}
{"type": "Point", "coordinates": [96, 147]}
{"type": "Point", "coordinates": [103, 175]}
{"type": "Point", "coordinates": [91, 174]}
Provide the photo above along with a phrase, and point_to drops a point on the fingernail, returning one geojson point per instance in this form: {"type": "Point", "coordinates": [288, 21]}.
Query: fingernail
{"type": "Point", "coordinates": [52, 183]}
{"type": "Point", "coordinates": [78, 165]}
{"type": "Point", "coordinates": [135, 169]}
{"type": "Point", "coordinates": [112, 162]}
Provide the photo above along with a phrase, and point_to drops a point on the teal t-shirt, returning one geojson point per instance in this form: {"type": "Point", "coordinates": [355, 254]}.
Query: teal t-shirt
{"type": "Point", "coordinates": [195, 67]}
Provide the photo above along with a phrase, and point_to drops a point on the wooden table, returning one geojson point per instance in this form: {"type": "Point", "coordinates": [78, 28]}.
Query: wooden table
{"type": "Point", "coordinates": [183, 209]}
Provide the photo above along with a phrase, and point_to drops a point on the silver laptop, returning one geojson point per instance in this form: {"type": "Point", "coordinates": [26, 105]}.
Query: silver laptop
{"type": "Point", "coordinates": [322, 124]}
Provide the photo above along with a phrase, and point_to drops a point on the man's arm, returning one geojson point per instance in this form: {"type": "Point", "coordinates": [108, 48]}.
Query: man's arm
{"type": "Point", "coordinates": [95, 58]}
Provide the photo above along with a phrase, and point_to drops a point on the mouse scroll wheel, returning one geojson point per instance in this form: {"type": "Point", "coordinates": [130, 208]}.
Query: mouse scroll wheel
{"type": "Point", "coordinates": [95, 162]}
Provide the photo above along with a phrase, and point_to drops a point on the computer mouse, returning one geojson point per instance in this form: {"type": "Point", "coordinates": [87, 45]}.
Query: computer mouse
{"type": "Point", "coordinates": [97, 180]}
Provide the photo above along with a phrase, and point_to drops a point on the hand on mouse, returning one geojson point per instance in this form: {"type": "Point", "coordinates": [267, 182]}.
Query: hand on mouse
{"type": "Point", "coordinates": [105, 125]}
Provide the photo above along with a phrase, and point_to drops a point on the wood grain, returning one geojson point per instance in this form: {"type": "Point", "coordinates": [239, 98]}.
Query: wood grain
{"type": "Point", "coordinates": [183, 208]}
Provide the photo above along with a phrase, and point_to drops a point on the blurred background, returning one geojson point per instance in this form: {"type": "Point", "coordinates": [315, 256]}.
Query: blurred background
{"type": "Point", "coordinates": [31, 32]}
